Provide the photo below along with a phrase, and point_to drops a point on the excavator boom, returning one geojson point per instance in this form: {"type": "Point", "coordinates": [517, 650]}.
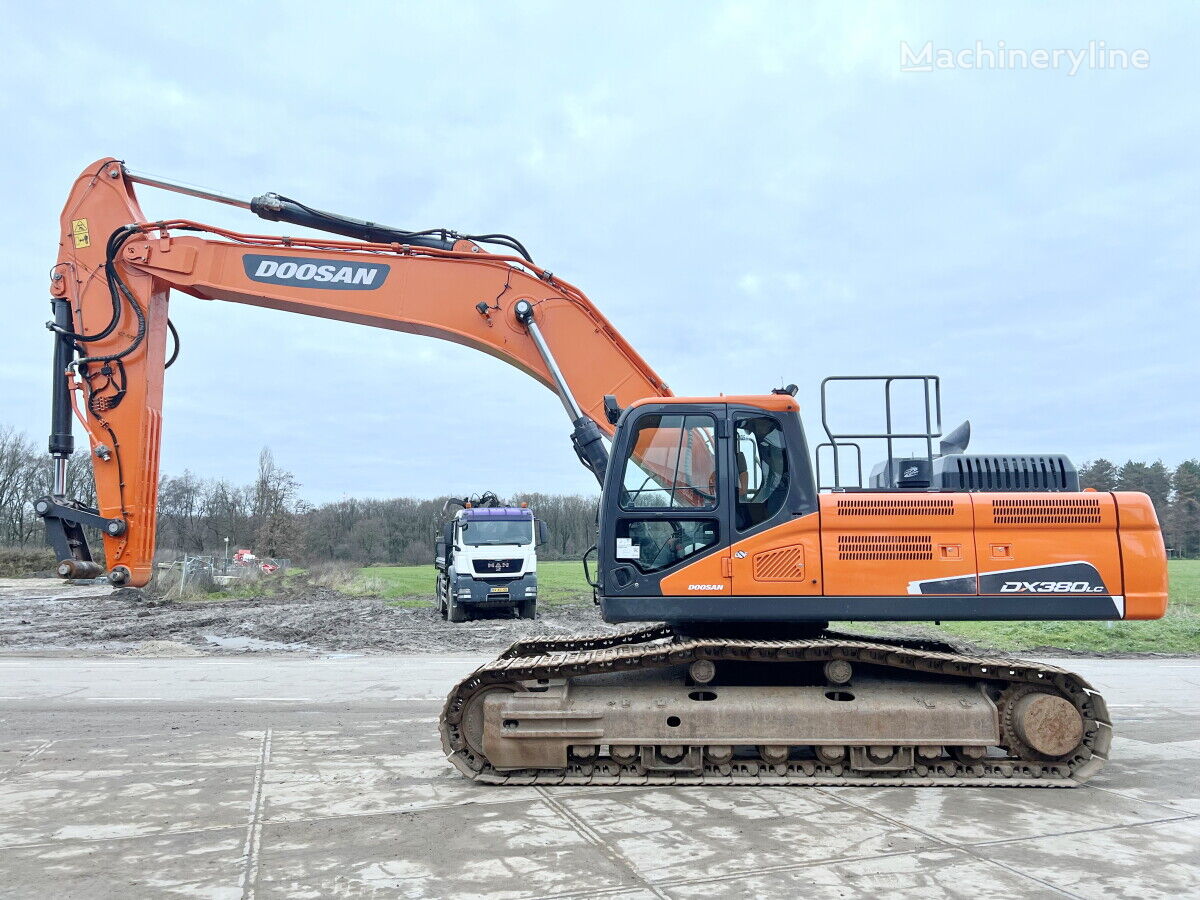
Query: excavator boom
{"type": "Point", "coordinates": [111, 285]}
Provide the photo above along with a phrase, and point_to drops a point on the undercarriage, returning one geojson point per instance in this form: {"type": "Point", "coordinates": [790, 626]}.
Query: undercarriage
{"type": "Point", "coordinates": [653, 707]}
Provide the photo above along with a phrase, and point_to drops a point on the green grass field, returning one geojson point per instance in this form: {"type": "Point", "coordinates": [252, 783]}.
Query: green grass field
{"type": "Point", "coordinates": [1178, 632]}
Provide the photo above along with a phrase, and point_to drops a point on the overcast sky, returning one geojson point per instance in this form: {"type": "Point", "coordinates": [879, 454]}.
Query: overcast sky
{"type": "Point", "coordinates": [752, 192]}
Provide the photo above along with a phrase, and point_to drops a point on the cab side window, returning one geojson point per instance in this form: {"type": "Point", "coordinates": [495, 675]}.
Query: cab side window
{"type": "Point", "coordinates": [762, 470]}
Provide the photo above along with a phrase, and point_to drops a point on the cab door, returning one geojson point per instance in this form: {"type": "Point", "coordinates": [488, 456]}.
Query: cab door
{"type": "Point", "coordinates": [665, 525]}
{"type": "Point", "coordinates": [776, 533]}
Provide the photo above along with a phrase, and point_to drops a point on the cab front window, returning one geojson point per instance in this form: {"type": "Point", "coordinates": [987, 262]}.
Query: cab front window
{"type": "Point", "coordinates": [672, 463]}
{"type": "Point", "coordinates": [493, 532]}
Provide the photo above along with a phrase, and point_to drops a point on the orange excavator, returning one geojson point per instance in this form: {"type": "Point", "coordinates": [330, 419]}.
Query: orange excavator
{"type": "Point", "coordinates": [714, 524]}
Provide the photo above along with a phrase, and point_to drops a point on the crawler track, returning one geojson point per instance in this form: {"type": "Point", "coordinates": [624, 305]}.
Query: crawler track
{"type": "Point", "coordinates": [658, 647]}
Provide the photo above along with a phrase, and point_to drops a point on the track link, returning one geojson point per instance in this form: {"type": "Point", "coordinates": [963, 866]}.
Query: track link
{"type": "Point", "coordinates": [544, 646]}
{"type": "Point", "coordinates": [658, 647]}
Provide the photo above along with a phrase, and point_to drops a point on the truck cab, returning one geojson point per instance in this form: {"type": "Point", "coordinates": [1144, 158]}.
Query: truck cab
{"type": "Point", "coordinates": [486, 559]}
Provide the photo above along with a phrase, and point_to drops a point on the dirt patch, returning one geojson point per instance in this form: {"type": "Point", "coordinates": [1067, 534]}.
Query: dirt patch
{"type": "Point", "coordinates": [47, 617]}
{"type": "Point", "coordinates": [164, 649]}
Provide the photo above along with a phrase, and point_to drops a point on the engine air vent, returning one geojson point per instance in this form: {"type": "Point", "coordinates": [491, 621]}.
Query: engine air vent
{"type": "Point", "coordinates": [917, 506]}
{"type": "Point", "coordinates": [885, 546]}
{"type": "Point", "coordinates": [784, 564]}
{"type": "Point", "coordinates": [1051, 511]}
{"type": "Point", "coordinates": [1005, 472]}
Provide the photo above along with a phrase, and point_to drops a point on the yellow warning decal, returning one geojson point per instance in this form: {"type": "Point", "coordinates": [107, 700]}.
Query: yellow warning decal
{"type": "Point", "coordinates": [79, 230]}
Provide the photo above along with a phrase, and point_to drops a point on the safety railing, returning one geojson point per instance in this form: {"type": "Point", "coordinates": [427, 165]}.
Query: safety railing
{"type": "Point", "coordinates": [931, 394]}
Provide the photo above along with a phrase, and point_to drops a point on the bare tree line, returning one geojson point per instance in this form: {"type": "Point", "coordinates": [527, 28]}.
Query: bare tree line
{"type": "Point", "coordinates": [269, 516]}
{"type": "Point", "coordinates": [196, 515]}
{"type": "Point", "coordinates": [1175, 494]}
{"type": "Point", "coordinates": [401, 530]}
{"type": "Point", "coordinates": [26, 472]}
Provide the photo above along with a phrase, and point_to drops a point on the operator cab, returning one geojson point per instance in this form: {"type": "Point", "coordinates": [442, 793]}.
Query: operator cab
{"type": "Point", "coordinates": [688, 478]}
{"type": "Point", "coordinates": [692, 483]}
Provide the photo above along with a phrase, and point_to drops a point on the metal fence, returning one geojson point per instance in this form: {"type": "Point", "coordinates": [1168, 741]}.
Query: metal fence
{"type": "Point", "coordinates": [219, 571]}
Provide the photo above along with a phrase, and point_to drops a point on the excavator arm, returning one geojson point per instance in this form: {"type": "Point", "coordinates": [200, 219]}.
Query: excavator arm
{"type": "Point", "coordinates": [110, 291]}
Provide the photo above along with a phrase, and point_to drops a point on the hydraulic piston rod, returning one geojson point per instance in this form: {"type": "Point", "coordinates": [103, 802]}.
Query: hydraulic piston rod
{"type": "Point", "coordinates": [524, 313]}
{"type": "Point", "coordinates": [188, 189]}
{"type": "Point", "coordinates": [275, 208]}
{"type": "Point", "coordinates": [587, 438]}
{"type": "Point", "coordinates": [62, 442]}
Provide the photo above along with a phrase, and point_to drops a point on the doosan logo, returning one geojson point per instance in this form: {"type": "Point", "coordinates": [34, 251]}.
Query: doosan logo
{"type": "Point", "coordinates": [706, 587]}
{"type": "Point", "coordinates": [297, 271]}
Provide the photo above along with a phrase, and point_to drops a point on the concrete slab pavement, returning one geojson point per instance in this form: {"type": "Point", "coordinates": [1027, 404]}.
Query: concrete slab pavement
{"type": "Point", "coordinates": [281, 776]}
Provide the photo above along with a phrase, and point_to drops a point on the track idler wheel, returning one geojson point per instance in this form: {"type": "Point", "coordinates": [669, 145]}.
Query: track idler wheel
{"type": "Point", "coordinates": [1041, 725]}
{"type": "Point", "coordinates": [472, 719]}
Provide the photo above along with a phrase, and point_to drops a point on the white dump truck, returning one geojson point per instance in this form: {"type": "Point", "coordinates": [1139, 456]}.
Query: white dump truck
{"type": "Point", "coordinates": [486, 559]}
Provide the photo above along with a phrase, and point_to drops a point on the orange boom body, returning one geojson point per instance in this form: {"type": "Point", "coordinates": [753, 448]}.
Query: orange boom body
{"type": "Point", "coordinates": [712, 518]}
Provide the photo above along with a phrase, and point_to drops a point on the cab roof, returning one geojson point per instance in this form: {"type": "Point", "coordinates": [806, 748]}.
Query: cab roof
{"type": "Point", "coordinates": [500, 513]}
{"type": "Point", "coordinates": [773, 402]}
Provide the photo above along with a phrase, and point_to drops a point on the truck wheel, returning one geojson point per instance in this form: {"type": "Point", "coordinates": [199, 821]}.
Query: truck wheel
{"type": "Point", "coordinates": [455, 611]}
{"type": "Point", "coordinates": [527, 609]}
{"type": "Point", "coordinates": [441, 598]}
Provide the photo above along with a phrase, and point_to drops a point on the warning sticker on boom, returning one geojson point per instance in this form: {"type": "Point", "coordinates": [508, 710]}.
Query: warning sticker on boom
{"type": "Point", "coordinates": [79, 231]}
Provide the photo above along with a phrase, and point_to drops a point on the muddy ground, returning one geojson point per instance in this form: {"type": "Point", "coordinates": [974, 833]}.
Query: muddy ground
{"type": "Point", "coordinates": [44, 615]}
